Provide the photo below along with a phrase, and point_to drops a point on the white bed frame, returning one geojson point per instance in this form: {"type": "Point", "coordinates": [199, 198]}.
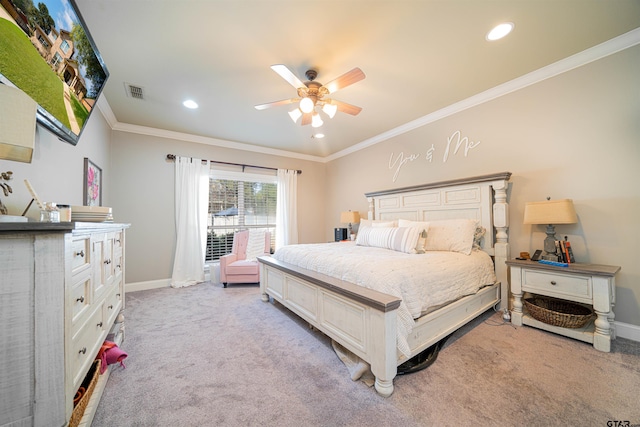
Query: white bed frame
{"type": "Point", "coordinates": [363, 320]}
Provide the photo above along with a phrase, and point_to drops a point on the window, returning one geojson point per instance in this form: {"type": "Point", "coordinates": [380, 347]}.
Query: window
{"type": "Point", "coordinates": [56, 59]}
{"type": "Point", "coordinates": [238, 201]}
{"type": "Point", "coordinates": [65, 46]}
{"type": "Point", "coordinates": [42, 41]}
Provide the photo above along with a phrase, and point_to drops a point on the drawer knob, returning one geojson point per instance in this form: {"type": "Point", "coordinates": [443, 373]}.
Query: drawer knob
{"type": "Point", "coordinates": [83, 351]}
{"type": "Point", "coordinates": [99, 325]}
{"type": "Point", "coordinates": [81, 299]}
{"type": "Point", "coordinates": [110, 307]}
{"type": "Point", "coordinates": [107, 261]}
{"type": "Point", "coordinates": [80, 254]}
{"type": "Point", "coordinates": [553, 282]}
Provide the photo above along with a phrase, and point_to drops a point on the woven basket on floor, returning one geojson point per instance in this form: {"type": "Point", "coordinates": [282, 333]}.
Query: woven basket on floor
{"type": "Point", "coordinates": [558, 312]}
{"type": "Point", "coordinates": [89, 385]}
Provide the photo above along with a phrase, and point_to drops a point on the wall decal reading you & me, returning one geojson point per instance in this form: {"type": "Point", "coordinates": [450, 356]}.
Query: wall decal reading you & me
{"type": "Point", "coordinates": [454, 143]}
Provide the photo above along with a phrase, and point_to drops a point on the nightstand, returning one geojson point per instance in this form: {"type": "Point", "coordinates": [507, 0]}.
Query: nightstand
{"type": "Point", "coordinates": [590, 284]}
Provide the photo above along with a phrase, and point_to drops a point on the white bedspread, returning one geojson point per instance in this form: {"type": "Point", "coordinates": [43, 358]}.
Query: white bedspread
{"type": "Point", "coordinates": [421, 281]}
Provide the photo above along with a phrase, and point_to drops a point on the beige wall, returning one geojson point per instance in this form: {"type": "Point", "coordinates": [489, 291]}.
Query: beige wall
{"type": "Point", "coordinates": [573, 136]}
{"type": "Point", "coordinates": [142, 185]}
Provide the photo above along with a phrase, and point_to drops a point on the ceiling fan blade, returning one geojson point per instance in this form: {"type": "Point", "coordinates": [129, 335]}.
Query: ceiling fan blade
{"type": "Point", "coordinates": [306, 119]}
{"type": "Point", "coordinates": [345, 80]}
{"type": "Point", "coordinates": [286, 74]}
{"type": "Point", "coordinates": [343, 107]}
{"type": "Point", "coordinates": [276, 103]}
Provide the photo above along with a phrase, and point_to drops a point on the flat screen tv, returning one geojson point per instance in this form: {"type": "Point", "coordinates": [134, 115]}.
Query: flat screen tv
{"type": "Point", "coordinates": [47, 52]}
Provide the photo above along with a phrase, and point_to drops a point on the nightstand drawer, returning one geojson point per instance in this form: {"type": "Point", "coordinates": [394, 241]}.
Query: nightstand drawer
{"type": "Point", "coordinates": [556, 284]}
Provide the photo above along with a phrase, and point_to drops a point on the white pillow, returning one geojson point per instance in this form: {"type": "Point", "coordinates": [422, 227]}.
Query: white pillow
{"type": "Point", "coordinates": [377, 223]}
{"type": "Point", "coordinates": [455, 235]}
{"type": "Point", "coordinates": [424, 228]}
{"type": "Point", "coordinates": [400, 239]}
{"type": "Point", "coordinates": [255, 244]}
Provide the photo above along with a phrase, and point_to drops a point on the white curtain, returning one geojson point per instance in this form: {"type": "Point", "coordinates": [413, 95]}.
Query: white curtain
{"type": "Point", "coordinates": [191, 207]}
{"type": "Point", "coordinates": [286, 208]}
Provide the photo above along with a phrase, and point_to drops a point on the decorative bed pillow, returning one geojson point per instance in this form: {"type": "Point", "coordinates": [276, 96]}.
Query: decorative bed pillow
{"type": "Point", "coordinates": [424, 228]}
{"type": "Point", "coordinates": [377, 223]}
{"type": "Point", "coordinates": [400, 239]}
{"type": "Point", "coordinates": [455, 235]}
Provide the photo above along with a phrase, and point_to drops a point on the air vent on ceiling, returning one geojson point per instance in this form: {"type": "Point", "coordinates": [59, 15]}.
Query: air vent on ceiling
{"type": "Point", "coordinates": [134, 91]}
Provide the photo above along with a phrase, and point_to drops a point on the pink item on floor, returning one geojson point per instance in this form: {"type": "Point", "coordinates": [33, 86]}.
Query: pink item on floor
{"type": "Point", "coordinates": [110, 353]}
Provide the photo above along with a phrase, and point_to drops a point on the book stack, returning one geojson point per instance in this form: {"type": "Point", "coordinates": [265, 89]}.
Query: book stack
{"type": "Point", "coordinates": [564, 251]}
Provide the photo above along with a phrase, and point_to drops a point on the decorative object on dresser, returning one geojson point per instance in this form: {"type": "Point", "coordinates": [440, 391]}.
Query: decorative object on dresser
{"type": "Point", "coordinates": [371, 323]}
{"type": "Point", "coordinates": [350, 218]}
{"type": "Point", "coordinates": [590, 285]}
{"type": "Point", "coordinates": [550, 212]}
{"type": "Point", "coordinates": [64, 290]}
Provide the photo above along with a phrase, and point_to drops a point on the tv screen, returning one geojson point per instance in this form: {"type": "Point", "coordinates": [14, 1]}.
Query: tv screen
{"type": "Point", "coordinates": [47, 52]}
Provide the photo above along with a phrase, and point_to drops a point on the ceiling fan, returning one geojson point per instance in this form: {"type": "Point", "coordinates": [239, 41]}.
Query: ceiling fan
{"type": "Point", "coordinates": [312, 94]}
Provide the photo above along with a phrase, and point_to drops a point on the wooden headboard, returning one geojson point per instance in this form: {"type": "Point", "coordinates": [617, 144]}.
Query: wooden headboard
{"type": "Point", "coordinates": [483, 198]}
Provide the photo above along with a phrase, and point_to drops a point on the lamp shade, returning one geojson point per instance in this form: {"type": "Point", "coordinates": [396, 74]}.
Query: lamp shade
{"type": "Point", "coordinates": [349, 217]}
{"type": "Point", "coordinates": [330, 109]}
{"type": "Point", "coordinates": [550, 212]}
{"type": "Point", "coordinates": [17, 124]}
{"type": "Point", "coordinates": [295, 114]}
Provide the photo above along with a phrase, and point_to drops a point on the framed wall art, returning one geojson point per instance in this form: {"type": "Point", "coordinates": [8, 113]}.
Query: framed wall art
{"type": "Point", "coordinates": [92, 187]}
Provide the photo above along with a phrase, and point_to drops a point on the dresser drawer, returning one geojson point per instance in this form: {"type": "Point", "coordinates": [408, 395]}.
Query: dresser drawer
{"type": "Point", "coordinates": [85, 345]}
{"type": "Point", "coordinates": [80, 254]}
{"type": "Point", "coordinates": [112, 304]}
{"type": "Point", "coordinates": [557, 284]}
{"type": "Point", "coordinates": [80, 299]}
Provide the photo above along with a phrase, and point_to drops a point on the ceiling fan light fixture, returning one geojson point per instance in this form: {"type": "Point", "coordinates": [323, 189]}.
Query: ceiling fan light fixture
{"type": "Point", "coordinates": [295, 114]}
{"type": "Point", "coordinates": [306, 105]}
{"type": "Point", "coordinates": [316, 120]}
{"type": "Point", "coordinates": [330, 109]}
{"type": "Point", "coordinates": [500, 31]}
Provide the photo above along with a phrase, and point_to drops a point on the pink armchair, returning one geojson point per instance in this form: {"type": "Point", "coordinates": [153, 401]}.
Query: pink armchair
{"type": "Point", "coordinates": [235, 267]}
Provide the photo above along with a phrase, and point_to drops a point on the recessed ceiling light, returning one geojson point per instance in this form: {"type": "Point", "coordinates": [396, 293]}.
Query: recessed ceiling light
{"type": "Point", "coordinates": [318, 135]}
{"type": "Point", "coordinates": [499, 31]}
{"type": "Point", "coordinates": [190, 104]}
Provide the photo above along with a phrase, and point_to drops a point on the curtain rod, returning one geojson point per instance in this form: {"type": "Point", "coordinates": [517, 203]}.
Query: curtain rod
{"type": "Point", "coordinates": [173, 157]}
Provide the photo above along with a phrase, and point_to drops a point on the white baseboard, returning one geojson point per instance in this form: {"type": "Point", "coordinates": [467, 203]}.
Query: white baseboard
{"type": "Point", "coordinates": [165, 283]}
{"type": "Point", "coordinates": [628, 331]}
{"type": "Point", "coordinates": [143, 286]}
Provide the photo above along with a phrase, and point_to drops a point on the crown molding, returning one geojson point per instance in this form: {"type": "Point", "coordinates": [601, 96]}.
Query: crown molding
{"type": "Point", "coordinates": [587, 56]}
{"type": "Point", "coordinates": [180, 136]}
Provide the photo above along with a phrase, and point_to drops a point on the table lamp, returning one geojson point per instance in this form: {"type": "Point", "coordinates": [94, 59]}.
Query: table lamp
{"type": "Point", "coordinates": [349, 217]}
{"type": "Point", "coordinates": [550, 212]}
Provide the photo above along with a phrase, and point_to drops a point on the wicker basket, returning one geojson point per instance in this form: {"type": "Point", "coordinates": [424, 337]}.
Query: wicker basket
{"type": "Point", "coordinates": [89, 385]}
{"type": "Point", "coordinates": [558, 312]}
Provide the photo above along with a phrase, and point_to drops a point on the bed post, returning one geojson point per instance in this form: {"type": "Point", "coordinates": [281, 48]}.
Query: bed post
{"type": "Point", "coordinates": [501, 246]}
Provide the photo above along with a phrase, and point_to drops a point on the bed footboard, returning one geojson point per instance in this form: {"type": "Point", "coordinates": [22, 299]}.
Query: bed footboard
{"type": "Point", "coordinates": [360, 319]}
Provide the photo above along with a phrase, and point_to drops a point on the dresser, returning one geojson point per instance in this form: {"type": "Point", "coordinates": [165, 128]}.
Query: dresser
{"type": "Point", "coordinates": [61, 295]}
{"type": "Point", "coordinates": [589, 284]}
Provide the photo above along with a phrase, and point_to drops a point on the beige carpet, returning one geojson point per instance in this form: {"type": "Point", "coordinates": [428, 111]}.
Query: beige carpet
{"type": "Point", "coordinates": [208, 356]}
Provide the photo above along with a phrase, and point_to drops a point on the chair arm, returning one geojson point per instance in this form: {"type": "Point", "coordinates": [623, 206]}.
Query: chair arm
{"type": "Point", "coordinates": [226, 260]}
